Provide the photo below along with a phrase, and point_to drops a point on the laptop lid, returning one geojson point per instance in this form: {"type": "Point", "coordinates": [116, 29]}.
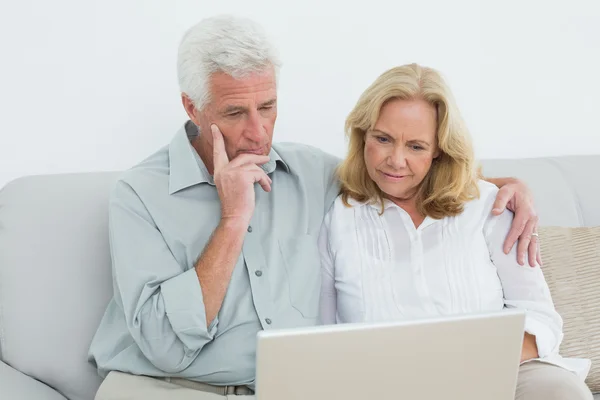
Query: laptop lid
{"type": "Point", "coordinates": [468, 357]}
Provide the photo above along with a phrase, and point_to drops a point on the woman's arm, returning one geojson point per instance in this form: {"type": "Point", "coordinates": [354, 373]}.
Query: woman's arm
{"type": "Point", "coordinates": [328, 300]}
{"type": "Point", "coordinates": [524, 288]}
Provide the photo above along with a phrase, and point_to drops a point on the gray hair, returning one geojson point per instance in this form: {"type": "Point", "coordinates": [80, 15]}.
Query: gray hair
{"type": "Point", "coordinates": [233, 45]}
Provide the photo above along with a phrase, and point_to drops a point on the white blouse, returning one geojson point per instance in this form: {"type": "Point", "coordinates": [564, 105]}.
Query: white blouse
{"type": "Point", "coordinates": [381, 268]}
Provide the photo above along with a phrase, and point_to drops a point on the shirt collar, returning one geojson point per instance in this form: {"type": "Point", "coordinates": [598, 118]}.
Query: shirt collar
{"type": "Point", "coordinates": [187, 169]}
{"type": "Point", "coordinates": [374, 203]}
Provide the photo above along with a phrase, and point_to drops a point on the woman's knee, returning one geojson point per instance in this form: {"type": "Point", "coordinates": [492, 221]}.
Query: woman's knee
{"type": "Point", "coordinates": [540, 381]}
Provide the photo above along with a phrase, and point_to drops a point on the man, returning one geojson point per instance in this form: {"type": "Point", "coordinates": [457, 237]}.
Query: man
{"type": "Point", "coordinates": [203, 258]}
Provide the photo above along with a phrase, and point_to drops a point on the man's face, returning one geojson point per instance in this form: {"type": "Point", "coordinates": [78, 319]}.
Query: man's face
{"type": "Point", "coordinates": [245, 111]}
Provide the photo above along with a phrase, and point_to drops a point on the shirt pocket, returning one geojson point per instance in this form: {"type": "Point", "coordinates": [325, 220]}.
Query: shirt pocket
{"type": "Point", "coordinates": [302, 264]}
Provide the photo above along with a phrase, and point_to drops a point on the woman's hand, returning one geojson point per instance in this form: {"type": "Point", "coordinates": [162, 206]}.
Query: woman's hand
{"type": "Point", "coordinates": [529, 349]}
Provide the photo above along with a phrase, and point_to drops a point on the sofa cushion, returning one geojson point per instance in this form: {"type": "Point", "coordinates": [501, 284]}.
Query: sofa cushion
{"type": "Point", "coordinates": [571, 265]}
{"type": "Point", "coordinates": [17, 386]}
{"type": "Point", "coordinates": [55, 277]}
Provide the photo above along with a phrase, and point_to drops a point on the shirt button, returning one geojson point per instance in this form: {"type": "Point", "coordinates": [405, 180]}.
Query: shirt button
{"type": "Point", "coordinates": [258, 273]}
{"type": "Point", "coordinates": [268, 321]}
{"type": "Point", "coordinates": [249, 228]}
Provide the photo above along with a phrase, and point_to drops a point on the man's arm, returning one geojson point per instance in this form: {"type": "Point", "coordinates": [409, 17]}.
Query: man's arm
{"type": "Point", "coordinates": [215, 266]}
{"type": "Point", "coordinates": [171, 312]}
{"type": "Point", "coordinates": [162, 303]}
{"type": "Point", "coordinates": [235, 181]}
{"type": "Point", "coordinates": [516, 196]}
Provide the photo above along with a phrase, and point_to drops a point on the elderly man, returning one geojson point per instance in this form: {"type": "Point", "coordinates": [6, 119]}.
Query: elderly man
{"type": "Point", "coordinates": [214, 237]}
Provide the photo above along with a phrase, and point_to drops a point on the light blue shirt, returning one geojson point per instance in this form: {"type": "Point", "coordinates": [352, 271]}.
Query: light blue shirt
{"type": "Point", "coordinates": [162, 213]}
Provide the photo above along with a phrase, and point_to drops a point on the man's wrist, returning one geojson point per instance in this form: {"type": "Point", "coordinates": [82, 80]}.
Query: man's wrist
{"type": "Point", "coordinates": [233, 224]}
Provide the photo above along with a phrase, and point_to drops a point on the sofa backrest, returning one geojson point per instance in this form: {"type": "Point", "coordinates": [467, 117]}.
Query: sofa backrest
{"type": "Point", "coordinates": [55, 275]}
{"type": "Point", "coordinates": [566, 189]}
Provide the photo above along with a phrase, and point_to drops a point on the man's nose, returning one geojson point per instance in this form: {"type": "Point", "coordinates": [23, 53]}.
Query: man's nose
{"type": "Point", "coordinates": [254, 129]}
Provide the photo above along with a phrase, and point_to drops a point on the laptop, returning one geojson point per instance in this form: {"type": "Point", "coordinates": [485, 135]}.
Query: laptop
{"type": "Point", "coordinates": [468, 357]}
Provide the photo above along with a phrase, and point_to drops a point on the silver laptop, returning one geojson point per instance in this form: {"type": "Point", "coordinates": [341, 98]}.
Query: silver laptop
{"type": "Point", "coordinates": [469, 357]}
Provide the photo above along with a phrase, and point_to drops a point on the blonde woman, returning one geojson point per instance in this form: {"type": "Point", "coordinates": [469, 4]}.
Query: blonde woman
{"type": "Point", "coordinates": [412, 233]}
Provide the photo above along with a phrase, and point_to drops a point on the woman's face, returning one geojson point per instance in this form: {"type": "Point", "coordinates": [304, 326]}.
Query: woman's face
{"type": "Point", "coordinates": [401, 147]}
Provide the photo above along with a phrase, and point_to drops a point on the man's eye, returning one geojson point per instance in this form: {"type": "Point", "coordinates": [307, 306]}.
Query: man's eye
{"type": "Point", "coordinates": [235, 114]}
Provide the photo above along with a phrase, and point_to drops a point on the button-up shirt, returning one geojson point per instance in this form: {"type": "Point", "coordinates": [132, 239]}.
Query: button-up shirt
{"type": "Point", "coordinates": [162, 213]}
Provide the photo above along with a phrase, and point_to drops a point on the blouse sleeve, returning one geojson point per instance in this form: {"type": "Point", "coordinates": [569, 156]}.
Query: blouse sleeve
{"type": "Point", "coordinates": [524, 287]}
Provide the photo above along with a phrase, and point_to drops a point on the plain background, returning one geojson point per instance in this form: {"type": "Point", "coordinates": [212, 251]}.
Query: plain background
{"type": "Point", "coordinates": [91, 85]}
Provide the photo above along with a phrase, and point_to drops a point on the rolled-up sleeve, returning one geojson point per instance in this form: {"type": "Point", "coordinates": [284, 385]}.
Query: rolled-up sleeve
{"type": "Point", "coordinates": [524, 287]}
{"type": "Point", "coordinates": [162, 302]}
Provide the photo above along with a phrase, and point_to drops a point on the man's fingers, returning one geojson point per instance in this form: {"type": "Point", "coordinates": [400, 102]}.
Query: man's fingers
{"type": "Point", "coordinates": [533, 250]}
{"type": "Point", "coordinates": [539, 255]}
{"type": "Point", "coordinates": [246, 159]}
{"type": "Point", "coordinates": [256, 169]}
{"type": "Point", "coordinates": [220, 159]}
{"type": "Point", "coordinates": [525, 240]}
{"type": "Point", "coordinates": [263, 180]}
{"type": "Point", "coordinates": [516, 229]}
{"type": "Point", "coordinates": [505, 194]}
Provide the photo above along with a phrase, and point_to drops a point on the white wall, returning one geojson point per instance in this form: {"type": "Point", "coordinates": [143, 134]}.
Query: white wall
{"type": "Point", "coordinates": [91, 85]}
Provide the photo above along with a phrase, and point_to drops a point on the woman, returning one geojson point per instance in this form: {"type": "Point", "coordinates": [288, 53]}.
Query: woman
{"type": "Point", "coordinates": [412, 234]}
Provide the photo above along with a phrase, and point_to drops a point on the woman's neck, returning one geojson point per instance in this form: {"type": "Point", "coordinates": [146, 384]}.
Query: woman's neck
{"type": "Point", "coordinates": [410, 206]}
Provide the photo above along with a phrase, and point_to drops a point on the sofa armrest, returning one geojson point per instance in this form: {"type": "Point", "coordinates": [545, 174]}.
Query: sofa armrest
{"type": "Point", "coordinates": [16, 385]}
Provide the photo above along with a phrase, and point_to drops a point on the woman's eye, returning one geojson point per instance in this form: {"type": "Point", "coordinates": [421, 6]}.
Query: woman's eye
{"type": "Point", "coordinates": [416, 147]}
{"type": "Point", "coordinates": [382, 139]}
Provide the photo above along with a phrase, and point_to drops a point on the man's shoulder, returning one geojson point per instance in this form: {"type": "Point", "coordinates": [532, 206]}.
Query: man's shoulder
{"type": "Point", "coordinates": [305, 157]}
{"type": "Point", "coordinates": [150, 172]}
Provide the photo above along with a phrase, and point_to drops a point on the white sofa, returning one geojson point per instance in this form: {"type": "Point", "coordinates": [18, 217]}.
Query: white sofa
{"type": "Point", "coordinates": [55, 266]}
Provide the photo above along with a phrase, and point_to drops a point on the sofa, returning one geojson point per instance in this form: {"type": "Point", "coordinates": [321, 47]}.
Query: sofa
{"type": "Point", "coordinates": [55, 274]}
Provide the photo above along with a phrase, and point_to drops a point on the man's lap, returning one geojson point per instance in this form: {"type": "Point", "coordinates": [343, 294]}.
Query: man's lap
{"type": "Point", "coordinates": [121, 386]}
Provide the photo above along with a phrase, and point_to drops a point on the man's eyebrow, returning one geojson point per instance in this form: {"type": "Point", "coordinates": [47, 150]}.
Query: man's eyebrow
{"type": "Point", "coordinates": [268, 103]}
{"type": "Point", "coordinates": [232, 109]}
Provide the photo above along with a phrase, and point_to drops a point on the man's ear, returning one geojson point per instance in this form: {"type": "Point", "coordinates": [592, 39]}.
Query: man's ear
{"type": "Point", "coordinates": [190, 109]}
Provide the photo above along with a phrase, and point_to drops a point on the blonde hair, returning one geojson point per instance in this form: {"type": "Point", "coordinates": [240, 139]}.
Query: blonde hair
{"type": "Point", "coordinates": [452, 178]}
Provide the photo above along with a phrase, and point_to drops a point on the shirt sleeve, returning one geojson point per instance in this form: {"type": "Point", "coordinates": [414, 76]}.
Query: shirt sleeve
{"type": "Point", "coordinates": [330, 179]}
{"type": "Point", "coordinates": [524, 287]}
{"type": "Point", "coordinates": [162, 303]}
{"type": "Point", "coordinates": [328, 299]}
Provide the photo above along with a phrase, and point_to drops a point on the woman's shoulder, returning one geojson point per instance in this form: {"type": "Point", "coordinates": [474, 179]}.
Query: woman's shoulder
{"type": "Point", "coordinates": [485, 201]}
{"type": "Point", "coordinates": [340, 206]}
{"type": "Point", "coordinates": [486, 189]}
{"type": "Point", "coordinates": [341, 215]}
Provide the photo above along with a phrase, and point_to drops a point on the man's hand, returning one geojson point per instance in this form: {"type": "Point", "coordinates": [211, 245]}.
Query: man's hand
{"type": "Point", "coordinates": [529, 350]}
{"type": "Point", "coordinates": [515, 196]}
{"type": "Point", "coordinates": [235, 180]}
